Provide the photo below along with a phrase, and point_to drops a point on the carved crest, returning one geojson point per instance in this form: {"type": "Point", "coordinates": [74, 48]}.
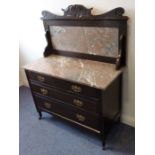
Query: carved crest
{"type": "Point", "coordinates": [79, 12]}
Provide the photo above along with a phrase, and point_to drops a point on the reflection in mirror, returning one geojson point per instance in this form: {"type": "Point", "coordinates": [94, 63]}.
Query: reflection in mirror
{"type": "Point", "coordinates": [101, 41]}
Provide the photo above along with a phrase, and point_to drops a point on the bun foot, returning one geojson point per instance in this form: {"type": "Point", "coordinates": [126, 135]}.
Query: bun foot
{"type": "Point", "coordinates": [40, 115]}
{"type": "Point", "coordinates": [103, 145]}
{"type": "Point", "coordinates": [103, 148]}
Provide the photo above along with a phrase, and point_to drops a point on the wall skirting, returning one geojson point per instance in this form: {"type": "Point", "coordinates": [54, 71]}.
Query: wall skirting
{"type": "Point", "coordinates": [128, 120]}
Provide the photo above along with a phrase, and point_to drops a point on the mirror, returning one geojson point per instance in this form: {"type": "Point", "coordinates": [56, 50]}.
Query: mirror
{"type": "Point", "coordinates": [102, 41]}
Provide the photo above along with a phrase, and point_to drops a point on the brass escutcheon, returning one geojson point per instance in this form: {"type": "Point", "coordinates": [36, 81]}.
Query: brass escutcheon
{"type": "Point", "coordinates": [47, 105]}
{"type": "Point", "coordinates": [44, 91]}
{"type": "Point", "coordinates": [40, 78]}
{"type": "Point", "coordinates": [80, 117]}
{"type": "Point", "coordinates": [76, 88]}
{"type": "Point", "coordinates": [78, 102]}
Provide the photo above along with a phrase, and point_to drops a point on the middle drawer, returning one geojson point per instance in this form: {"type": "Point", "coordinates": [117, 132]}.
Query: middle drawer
{"type": "Point", "coordinates": [78, 102]}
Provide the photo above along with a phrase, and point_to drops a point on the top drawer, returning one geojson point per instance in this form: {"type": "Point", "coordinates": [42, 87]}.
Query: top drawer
{"type": "Point", "coordinates": [64, 84]}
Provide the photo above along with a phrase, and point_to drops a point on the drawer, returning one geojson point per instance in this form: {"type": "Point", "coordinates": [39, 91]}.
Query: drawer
{"type": "Point", "coordinates": [64, 84]}
{"type": "Point", "coordinates": [78, 102]}
{"type": "Point", "coordinates": [67, 111]}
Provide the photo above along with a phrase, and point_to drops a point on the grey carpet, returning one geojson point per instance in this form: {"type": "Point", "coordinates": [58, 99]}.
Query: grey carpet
{"type": "Point", "coordinates": [52, 136]}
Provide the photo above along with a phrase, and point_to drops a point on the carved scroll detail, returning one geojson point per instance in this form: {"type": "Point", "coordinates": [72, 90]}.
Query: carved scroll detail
{"type": "Point", "coordinates": [117, 12]}
{"type": "Point", "coordinates": [77, 11]}
{"type": "Point", "coordinates": [48, 15]}
{"type": "Point", "coordinates": [49, 44]}
{"type": "Point", "coordinates": [80, 11]}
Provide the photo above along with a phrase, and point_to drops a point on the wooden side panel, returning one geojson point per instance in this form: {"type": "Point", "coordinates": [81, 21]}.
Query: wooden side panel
{"type": "Point", "coordinates": [111, 103]}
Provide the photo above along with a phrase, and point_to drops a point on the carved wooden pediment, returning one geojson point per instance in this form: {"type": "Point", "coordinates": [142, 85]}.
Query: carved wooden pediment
{"type": "Point", "coordinates": [81, 12]}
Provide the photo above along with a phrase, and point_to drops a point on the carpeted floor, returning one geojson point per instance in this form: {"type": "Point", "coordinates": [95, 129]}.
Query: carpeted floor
{"type": "Point", "coordinates": [52, 136]}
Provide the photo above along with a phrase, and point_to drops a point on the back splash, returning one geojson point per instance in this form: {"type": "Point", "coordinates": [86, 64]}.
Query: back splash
{"type": "Point", "coordinates": [102, 41]}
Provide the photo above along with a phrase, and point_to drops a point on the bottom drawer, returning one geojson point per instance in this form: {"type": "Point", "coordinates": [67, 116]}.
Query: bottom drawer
{"type": "Point", "coordinates": [67, 111]}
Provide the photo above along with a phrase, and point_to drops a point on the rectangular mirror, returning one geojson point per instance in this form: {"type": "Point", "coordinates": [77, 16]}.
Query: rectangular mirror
{"type": "Point", "coordinates": [102, 41]}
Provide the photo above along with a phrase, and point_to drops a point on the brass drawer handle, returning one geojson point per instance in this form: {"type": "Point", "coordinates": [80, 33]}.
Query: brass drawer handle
{"type": "Point", "coordinates": [78, 102]}
{"type": "Point", "coordinates": [40, 78]}
{"type": "Point", "coordinates": [80, 117]}
{"type": "Point", "coordinates": [47, 105]}
{"type": "Point", "coordinates": [44, 91]}
{"type": "Point", "coordinates": [76, 88]}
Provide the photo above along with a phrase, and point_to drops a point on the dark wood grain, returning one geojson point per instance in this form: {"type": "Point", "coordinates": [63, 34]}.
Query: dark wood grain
{"type": "Point", "coordinates": [86, 56]}
{"type": "Point", "coordinates": [67, 111]}
{"type": "Point", "coordinates": [65, 85]}
{"type": "Point", "coordinates": [87, 104]}
{"type": "Point", "coordinates": [81, 12]}
{"type": "Point", "coordinates": [111, 109]}
{"type": "Point", "coordinates": [28, 78]}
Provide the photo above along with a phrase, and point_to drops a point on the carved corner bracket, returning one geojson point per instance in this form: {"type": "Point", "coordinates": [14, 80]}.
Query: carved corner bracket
{"type": "Point", "coordinates": [118, 61]}
{"type": "Point", "coordinates": [48, 48]}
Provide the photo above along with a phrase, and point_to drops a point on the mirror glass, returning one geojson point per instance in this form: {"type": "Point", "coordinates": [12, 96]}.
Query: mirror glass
{"type": "Point", "coordinates": [101, 41]}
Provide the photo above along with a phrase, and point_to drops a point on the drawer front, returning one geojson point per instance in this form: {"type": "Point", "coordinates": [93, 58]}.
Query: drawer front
{"type": "Point", "coordinates": [67, 111]}
{"type": "Point", "coordinates": [65, 85]}
{"type": "Point", "coordinates": [82, 103]}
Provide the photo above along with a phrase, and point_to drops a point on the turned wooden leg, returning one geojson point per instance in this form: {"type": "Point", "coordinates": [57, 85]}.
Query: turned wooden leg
{"type": "Point", "coordinates": [103, 144]}
{"type": "Point", "coordinates": [103, 140]}
{"type": "Point", "coordinates": [40, 114]}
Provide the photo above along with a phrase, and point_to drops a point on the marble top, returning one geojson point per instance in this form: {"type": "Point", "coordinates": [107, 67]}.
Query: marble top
{"type": "Point", "coordinates": [101, 41]}
{"type": "Point", "coordinates": [92, 73]}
